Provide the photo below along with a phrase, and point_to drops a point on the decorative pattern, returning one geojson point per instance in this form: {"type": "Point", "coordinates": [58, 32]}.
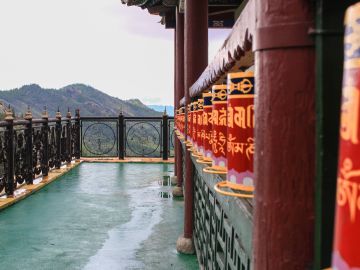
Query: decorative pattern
{"type": "Point", "coordinates": [143, 138]}
{"type": "Point", "coordinates": [20, 157]}
{"type": "Point", "coordinates": [99, 138]}
{"type": "Point", "coordinates": [2, 161]}
{"type": "Point", "coordinates": [217, 242]}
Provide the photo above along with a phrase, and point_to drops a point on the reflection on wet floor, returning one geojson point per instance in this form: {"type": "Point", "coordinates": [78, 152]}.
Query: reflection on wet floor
{"type": "Point", "coordinates": [165, 183]}
{"type": "Point", "coordinates": [98, 216]}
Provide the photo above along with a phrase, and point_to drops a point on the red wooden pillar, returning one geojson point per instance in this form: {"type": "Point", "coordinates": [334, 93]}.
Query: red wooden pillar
{"type": "Point", "coordinates": [175, 108]}
{"type": "Point", "coordinates": [196, 58]}
{"type": "Point", "coordinates": [284, 136]}
{"type": "Point", "coordinates": [179, 93]}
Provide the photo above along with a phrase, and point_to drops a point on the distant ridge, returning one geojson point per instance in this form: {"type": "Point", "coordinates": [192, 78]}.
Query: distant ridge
{"type": "Point", "coordinates": [89, 100]}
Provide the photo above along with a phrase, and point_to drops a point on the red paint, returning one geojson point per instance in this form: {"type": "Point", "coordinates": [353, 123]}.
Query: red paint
{"type": "Point", "coordinates": [189, 123]}
{"type": "Point", "coordinates": [200, 128]}
{"type": "Point", "coordinates": [284, 160]}
{"type": "Point", "coordinates": [219, 128]}
{"type": "Point", "coordinates": [179, 92]}
{"type": "Point", "coordinates": [196, 57]}
{"type": "Point", "coordinates": [181, 121]}
{"type": "Point", "coordinates": [194, 124]}
{"type": "Point", "coordinates": [346, 254]}
{"type": "Point", "coordinates": [207, 126]}
{"type": "Point", "coordinates": [240, 128]}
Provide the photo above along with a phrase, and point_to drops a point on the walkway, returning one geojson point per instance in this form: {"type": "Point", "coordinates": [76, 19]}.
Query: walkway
{"type": "Point", "coordinates": [98, 216]}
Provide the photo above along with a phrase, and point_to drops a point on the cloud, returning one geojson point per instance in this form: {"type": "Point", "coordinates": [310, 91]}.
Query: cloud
{"type": "Point", "coordinates": [119, 50]}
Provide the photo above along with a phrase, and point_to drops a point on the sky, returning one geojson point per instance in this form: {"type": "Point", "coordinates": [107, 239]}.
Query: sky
{"type": "Point", "coordinates": [122, 51]}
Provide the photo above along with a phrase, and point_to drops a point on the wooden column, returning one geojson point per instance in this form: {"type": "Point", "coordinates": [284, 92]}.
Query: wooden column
{"type": "Point", "coordinates": [175, 108]}
{"type": "Point", "coordinates": [196, 57]}
{"type": "Point", "coordinates": [284, 136]}
{"type": "Point", "coordinates": [179, 93]}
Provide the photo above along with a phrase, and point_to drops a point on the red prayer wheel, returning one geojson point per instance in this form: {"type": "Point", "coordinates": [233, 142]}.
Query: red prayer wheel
{"type": "Point", "coordinates": [219, 128]}
{"type": "Point", "coordinates": [207, 126]}
{"type": "Point", "coordinates": [189, 126]}
{"type": "Point", "coordinates": [194, 125]}
{"type": "Point", "coordinates": [179, 123]}
{"type": "Point", "coordinates": [182, 122]}
{"type": "Point", "coordinates": [240, 128]}
{"type": "Point", "coordinates": [346, 251]}
{"type": "Point", "coordinates": [200, 129]}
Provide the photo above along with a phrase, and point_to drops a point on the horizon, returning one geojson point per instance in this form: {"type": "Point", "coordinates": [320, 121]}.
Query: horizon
{"type": "Point", "coordinates": [57, 89]}
{"type": "Point", "coordinates": [112, 47]}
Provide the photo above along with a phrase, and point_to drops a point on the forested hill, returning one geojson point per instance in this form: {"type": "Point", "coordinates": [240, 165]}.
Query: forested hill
{"type": "Point", "coordinates": [90, 101]}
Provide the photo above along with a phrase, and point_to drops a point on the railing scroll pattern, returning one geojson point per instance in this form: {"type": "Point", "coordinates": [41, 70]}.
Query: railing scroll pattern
{"type": "Point", "coordinates": [30, 148]}
{"type": "Point", "coordinates": [127, 136]}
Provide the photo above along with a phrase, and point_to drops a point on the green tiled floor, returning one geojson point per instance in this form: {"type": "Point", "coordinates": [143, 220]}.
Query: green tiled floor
{"type": "Point", "coordinates": [98, 216]}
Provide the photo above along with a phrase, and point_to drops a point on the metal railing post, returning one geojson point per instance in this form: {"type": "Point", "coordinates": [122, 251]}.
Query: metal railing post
{"type": "Point", "coordinates": [165, 137]}
{"type": "Point", "coordinates": [44, 163]}
{"type": "Point", "coordinates": [9, 138]}
{"type": "Point", "coordinates": [68, 138]}
{"type": "Point", "coordinates": [77, 134]}
{"type": "Point", "coordinates": [29, 175]}
{"type": "Point", "coordinates": [58, 129]}
{"type": "Point", "coordinates": [121, 137]}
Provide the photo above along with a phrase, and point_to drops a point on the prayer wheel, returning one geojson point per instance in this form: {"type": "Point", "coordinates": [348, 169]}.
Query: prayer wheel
{"type": "Point", "coordinates": [189, 126]}
{"type": "Point", "coordinates": [182, 122]}
{"type": "Point", "coordinates": [240, 128]}
{"type": "Point", "coordinates": [194, 126]}
{"type": "Point", "coordinates": [199, 130]}
{"type": "Point", "coordinates": [346, 254]}
{"type": "Point", "coordinates": [207, 126]}
{"type": "Point", "coordinates": [198, 151]}
{"type": "Point", "coordinates": [179, 121]}
{"type": "Point", "coordinates": [219, 130]}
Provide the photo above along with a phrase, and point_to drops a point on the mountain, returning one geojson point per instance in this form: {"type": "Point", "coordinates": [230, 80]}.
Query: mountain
{"type": "Point", "coordinates": [89, 100]}
{"type": "Point", "coordinates": [161, 108]}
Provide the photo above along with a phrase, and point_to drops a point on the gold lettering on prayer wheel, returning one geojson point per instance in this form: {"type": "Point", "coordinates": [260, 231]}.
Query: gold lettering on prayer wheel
{"type": "Point", "coordinates": [207, 126]}
{"type": "Point", "coordinates": [240, 128]}
{"type": "Point", "coordinates": [346, 252]}
{"type": "Point", "coordinates": [199, 129]}
{"type": "Point", "coordinates": [219, 127]}
{"type": "Point", "coordinates": [189, 126]}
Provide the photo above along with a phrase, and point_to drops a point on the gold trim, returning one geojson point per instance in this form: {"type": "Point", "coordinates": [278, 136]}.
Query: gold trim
{"type": "Point", "coordinates": [219, 102]}
{"type": "Point", "coordinates": [213, 170]}
{"type": "Point", "coordinates": [353, 63]}
{"type": "Point", "coordinates": [227, 184]}
{"type": "Point", "coordinates": [203, 161]}
{"type": "Point", "coordinates": [196, 155]}
{"type": "Point", "coordinates": [219, 87]}
{"type": "Point", "coordinates": [240, 96]}
{"type": "Point", "coordinates": [242, 74]}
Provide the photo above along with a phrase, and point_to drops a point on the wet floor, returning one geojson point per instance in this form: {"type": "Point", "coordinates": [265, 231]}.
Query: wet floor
{"type": "Point", "coordinates": [98, 216]}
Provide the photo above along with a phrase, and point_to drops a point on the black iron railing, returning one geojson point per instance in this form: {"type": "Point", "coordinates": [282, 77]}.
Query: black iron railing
{"type": "Point", "coordinates": [31, 147]}
{"type": "Point", "coordinates": [127, 136]}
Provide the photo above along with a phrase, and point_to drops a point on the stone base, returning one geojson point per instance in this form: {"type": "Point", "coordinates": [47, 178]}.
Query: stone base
{"type": "Point", "coordinates": [174, 180]}
{"type": "Point", "coordinates": [178, 192]}
{"type": "Point", "coordinates": [185, 245]}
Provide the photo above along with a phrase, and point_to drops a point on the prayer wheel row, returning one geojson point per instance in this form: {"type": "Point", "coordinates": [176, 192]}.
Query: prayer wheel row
{"type": "Point", "coordinates": [220, 128]}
